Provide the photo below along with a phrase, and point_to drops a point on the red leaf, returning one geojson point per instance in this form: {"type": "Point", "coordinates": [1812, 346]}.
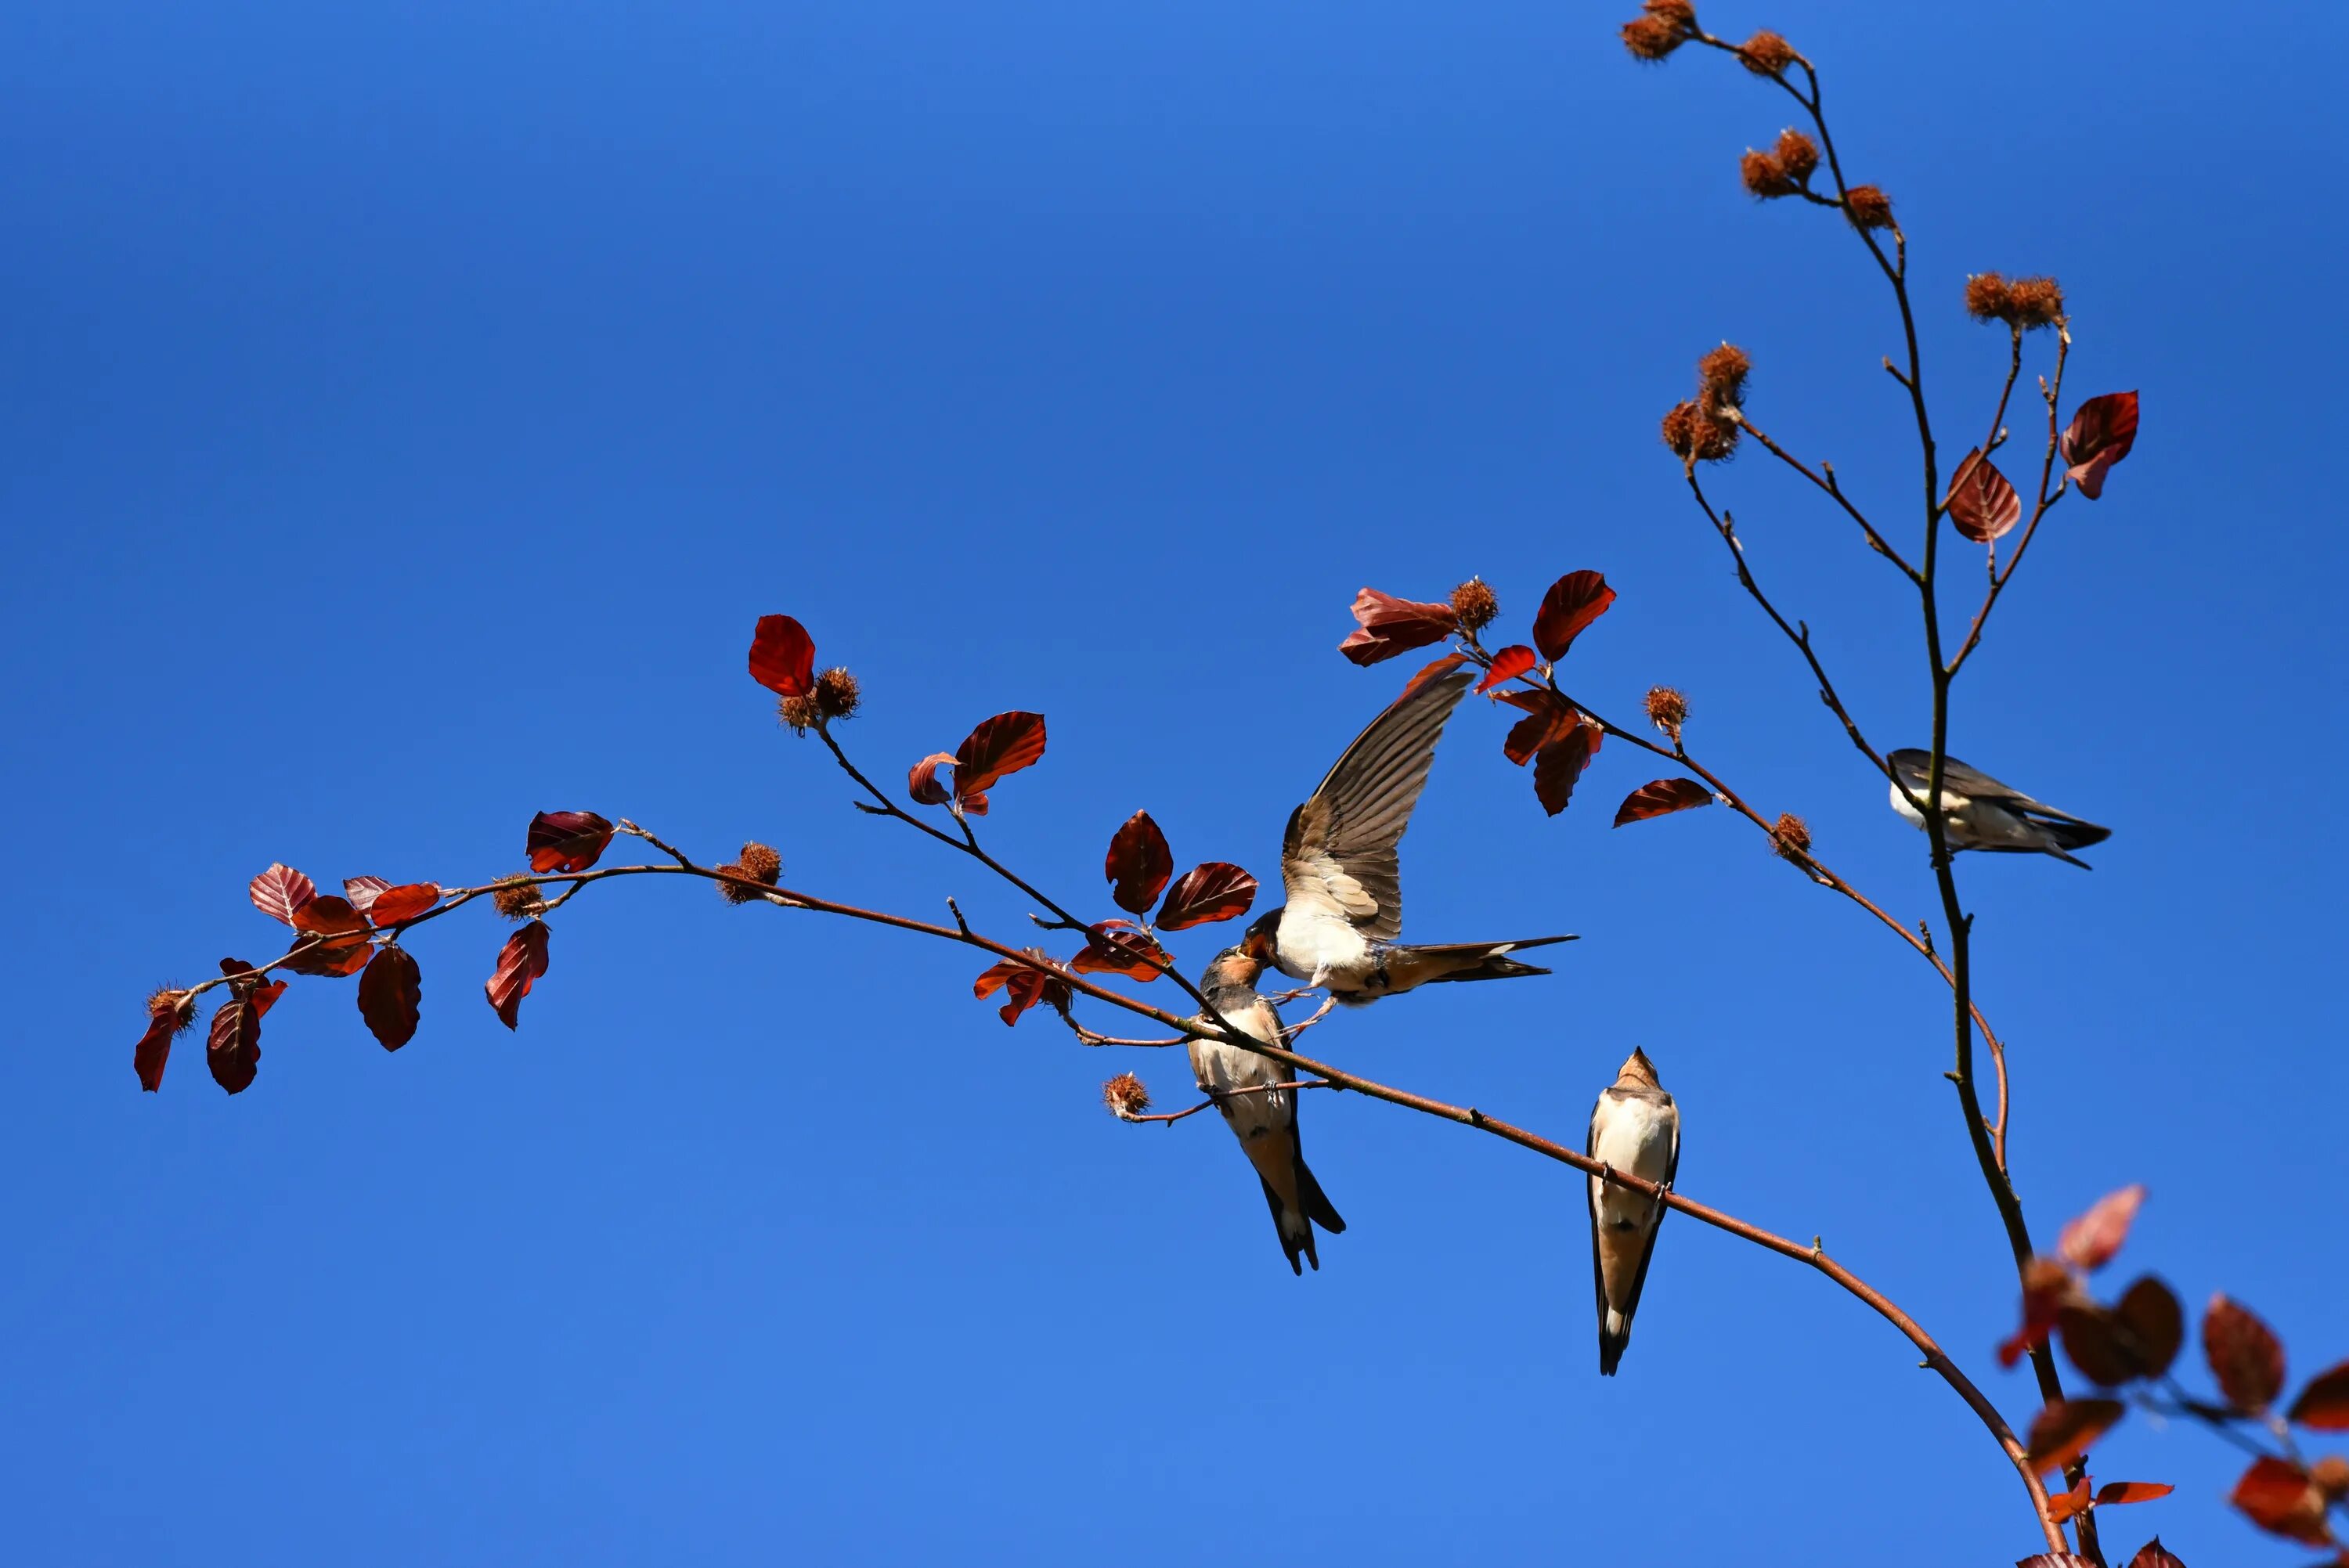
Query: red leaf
{"type": "Point", "coordinates": [2113, 1493]}
{"type": "Point", "coordinates": [1508, 666]}
{"type": "Point", "coordinates": [1390, 625]}
{"type": "Point", "coordinates": [2323, 1405]}
{"type": "Point", "coordinates": [1214, 891]}
{"type": "Point", "coordinates": [1119, 947]}
{"type": "Point", "coordinates": [1138, 864]}
{"type": "Point", "coordinates": [1661, 799]}
{"type": "Point", "coordinates": [2063, 1429]}
{"type": "Point", "coordinates": [519, 963]}
{"type": "Point", "coordinates": [1025, 986]}
{"type": "Point", "coordinates": [342, 934]}
{"type": "Point", "coordinates": [2245, 1356]}
{"type": "Point", "coordinates": [233, 1049]}
{"type": "Point", "coordinates": [782, 656]}
{"type": "Point", "coordinates": [566, 840]}
{"type": "Point", "coordinates": [2279, 1498]}
{"type": "Point", "coordinates": [1433, 669]}
{"type": "Point", "coordinates": [1573, 602]}
{"type": "Point", "coordinates": [1559, 766]}
{"type": "Point", "coordinates": [2056, 1560]}
{"type": "Point", "coordinates": [391, 994]}
{"type": "Point", "coordinates": [922, 780]}
{"type": "Point", "coordinates": [2063, 1505]}
{"type": "Point", "coordinates": [2152, 1555]}
{"type": "Point", "coordinates": [281, 889]}
{"type": "Point", "coordinates": [1981, 502]}
{"type": "Point", "coordinates": [266, 997]}
{"type": "Point", "coordinates": [362, 892]}
{"type": "Point", "coordinates": [1001, 745]}
{"type": "Point", "coordinates": [406, 901]}
{"type": "Point", "coordinates": [2101, 435]}
{"type": "Point", "coordinates": [155, 1049]}
{"type": "Point", "coordinates": [1548, 719]}
{"type": "Point", "coordinates": [2089, 1242]}
{"type": "Point", "coordinates": [2152, 1323]}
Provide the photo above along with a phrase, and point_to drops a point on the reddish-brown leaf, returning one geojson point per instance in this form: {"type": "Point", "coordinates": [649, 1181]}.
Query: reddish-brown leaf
{"type": "Point", "coordinates": [266, 997]}
{"type": "Point", "coordinates": [1001, 745]}
{"type": "Point", "coordinates": [362, 892]}
{"type": "Point", "coordinates": [519, 963]}
{"type": "Point", "coordinates": [1508, 666]}
{"type": "Point", "coordinates": [1390, 625]}
{"type": "Point", "coordinates": [1431, 670]}
{"type": "Point", "coordinates": [1661, 799]}
{"type": "Point", "coordinates": [1573, 602]}
{"type": "Point", "coordinates": [2323, 1405]}
{"type": "Point", "coordinates": [782, 656]}
{"type": "Point", "coordinates": [281, 889]}
{"type": "Point", "coordinates": [1138, 864]}
{"type": "Point", "coordinates": [154, 1050]}
{"type": "Point", "coordinates": [2063, 1430]}
{"type": "Point", "coordinates": [1559, 766]}
{"type": "Point", "coordinates": [406, 901]}
{"type": "Point", "coordinates": [1548, 719]}
{"type": "Point", "coordinates": [2152, 1554]}
{"type": "Point", "coordinates": [922, 780]}
{"type": "Point", "coordinates": [342, 934]}
{"type": "Point", "coordinates": [566, 840]}
{"type": "Point", "coordinates": [2063, 1505]}
{"type": "Point", "coordinates": [2056, 1560]}
{"type": "Point", "coordinates": [391, 994]}
{"type": "Point", "coordinates": [2245, 1356]}
{"type": "Point", "coordinates": [1981, 502]}
{"type": "Point", "coordinates": [1022, 985]}
{"type": "Point", "coordinates": [2113, 1493]}
{"type": "Point", "coordinates": [2101, 435]}
{"type": "Point", "coordinates": [2152, 1325]}
{"type": "Point", "coordinates": [1119, 947]}
{"type": "Point", "coordinates": [2092, 1339]}
{"type": "Point", "coordinates": [1214, 891]}
{"type": "Point", "coordinates": [2278, 1497]}
{"type": "Point", "coordinates": [2089, 1242]}
{"type": "Point", "coordinates": [233, 1049]}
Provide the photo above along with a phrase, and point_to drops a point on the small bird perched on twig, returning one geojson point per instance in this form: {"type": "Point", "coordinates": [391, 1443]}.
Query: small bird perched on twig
{"type": "Point", "coordinates": [1978, 812]}
{"type": "Point", "coordinates": [1635, 1129]}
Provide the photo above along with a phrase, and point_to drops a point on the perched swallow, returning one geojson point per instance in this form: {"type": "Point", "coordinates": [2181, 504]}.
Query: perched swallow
{"type": "Point", "coordinates": [1978, 812]}
{"type": "Point", "coordinates": [1634, 1128]}
{"type": "Point", "coordinates": [1265, 1121]}
{"type": "Point", "coordinates": [1344, 905]}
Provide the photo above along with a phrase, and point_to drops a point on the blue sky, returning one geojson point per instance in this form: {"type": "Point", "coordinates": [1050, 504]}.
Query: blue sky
{"type": "Point", "coordinates": [408, 410]}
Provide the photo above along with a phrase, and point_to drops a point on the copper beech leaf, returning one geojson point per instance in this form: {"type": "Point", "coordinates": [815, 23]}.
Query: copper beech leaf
{"type": "Point", "coordinates": [566, 840]}
{"type": "Point", "coordinates": [2323, 1405]}
{"type": "Point", "coordinates": [1547, 717]}
{"type": "Point", "coordinates": [406, 901]}
{"type": "Point", "coordinates": [1981, 502]}
{"type": "Point", "coordinates": [1121, 947]}
{"type": "Point", "coordinates": [2063, 1505]}
{"type": "Point", "coordinates": [1212, 891]}
{"type": "Point", "coordinates": [1389, 625]}
{"type": "Point", "coordinates": [782, 656]}
{"type": "Point", "coordinates": [2101, 435]}
{"type": "Point", "coordinates": [2089, 1242]}
{"type": "Point", "coordinates": [2153, 1554]}
{"type": "Point", "coordinates": [2064, 1430]}
{"type": "Point", "coordinates": [362, 892]}
{"type": "Point", "coordinates": [2153, 1325]}
{"type": "Point", "coordinates": [2056, 1560]}
{"type": "Point", "coordinates": [341, 933]}
{"type": "Point", "coordinates": [153, 1052]}
{"type": "Point", "coordinates": [234, 1048]}
{"type": "Point", "coordinates": [2245, 1356]}
{"type": "Point", "coordinates": [922, 780]}
{"type": "Point", "coordinates": [1138, 864]}
{"type": "Point", "coordinates": [1573, 602]}
{"type": "Point", "coordinates": [2278, 1496]}
{"type": "Point", "coordinates": [1001, 745]}
{"type": "Point", "coordinates": [1559, 766]}
{"type": "Point", "coordinates": [1508, 666]}
{"type": "Point", "coordinates": [519, 964]}
{"type": "Point", "coordinates": [2114, 1493]}
{"type": "Point", "coordinates": [1661, 799]}
{"type": "Point", "coordinates": [391, 996]}
{"type": "Point", "coordinates": [1023, 984]}
{"type": "Point", "coordinates": [281, 889]}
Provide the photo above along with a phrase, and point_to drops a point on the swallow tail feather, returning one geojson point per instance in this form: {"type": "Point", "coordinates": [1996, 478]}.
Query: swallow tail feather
{"type": "Point", "coordinates": [1468, 960]}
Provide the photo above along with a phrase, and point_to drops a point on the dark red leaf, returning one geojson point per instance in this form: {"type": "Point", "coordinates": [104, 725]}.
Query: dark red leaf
{"type": "Point", "coordinates": [1214, 891]}
{"type": "Point", "coordinates": [281, 889]}
{"type": "Point", "coordinates": [2089, 1242]}
{"type": "Point", "coordinates": [2093, 1341]}
{"type": "Point", "coordinates": [2279, 1498]}
{"type": "Point", "coordinates": [1024, 986]}
{"type": "Point", "coordinates": [782, 656]}
{"type": "Point", "coordinates": [233, 1049]}
{"type": "Point", "coordinates": [1559, 766]}
{"type": "Point", "coordinates": [2063, 1430]}
{"type": "Point", "coordinates": [2056, 1560]}
{"type": "Point", "coordinates": [1548, 719]}
{"type": "Point", "coordinates": [1573, 602]}
{"type": "Point", "coordinates": [2245, 1356]}
{"type": "Point", "coordinates": [2113, 1493]}
{"type": "Point", "coordinates": [362, 892]}
{"type": "Point", "coordinates": [154, 1050]}
{"type": "Point", "coordinates": [1138, 864]}
{"type": "Point", "coordinates": [342, 931]}
{"type": "Point", "coordinates": [922, 780]}
{"type": "Point", "coordinates": [391, 994]}
{"type": "Point", "coordinates": [406, 901]}
{"type": "Point", "coordinates": [266, 997]}
{"type": "Point", "coordinates": [1981, 502]}
{"type": "Point", "coordinates": [519, 963]}
{"type": "Point", "coordinates": [1390, 625]}
{"type": "Point", "coordinates": [1508, 666]}
{"type": "Point", "coordinates": [1001, 745]}
{"type": "Point", "coordinates": [1661, 799]}
{"type": "Point", "coordinates": [2152, 1325]}
{"type": "Point", "coordinates": [2152, 1555]}
{"type": "Point", "coordinates": [2063, 1505]}
{"type": "Point", "coordinates": [2323, 1405]}
{"type": "Point", "coordinates": [566, 840]}
{"type": "Point", "coordinates": [1119, 947]}
{"type": "Point", "coordinates": [2101, 435]}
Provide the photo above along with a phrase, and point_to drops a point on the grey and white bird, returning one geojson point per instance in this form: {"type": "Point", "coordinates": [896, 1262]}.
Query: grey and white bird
{"type": "Point", "coordinates": [1263, 1118]}
{"type": "Point", "coordinates": [1635, 1129]}
{"type": "Point", "coordinates": [1338, 869]}
{"type": "Point", "coordinates": [1978, 812]}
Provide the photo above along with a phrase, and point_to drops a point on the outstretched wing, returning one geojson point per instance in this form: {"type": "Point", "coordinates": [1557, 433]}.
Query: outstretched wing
{"type": "Point", "coordinates": [1915, 767]}
{"type": "Point", "coordinates": [1338, 858]}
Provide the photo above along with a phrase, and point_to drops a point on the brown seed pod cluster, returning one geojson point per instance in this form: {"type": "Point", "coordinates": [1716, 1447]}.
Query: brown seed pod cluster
{"type": "Point", "coordinates": [1475, 604]}
{"type": "Point", "coordinates": [1767, 54]}
{"type": "Point", "coordinates": [1797, 154]}
{"type": "Point", "coordinates": [1764, 176]}
{"type": "Point", "coordinates": [1790, 838]}
{"type": "Point", "coordinates": [1662, 26]}
{"type": "Point", "coordinates": [1705, 429]}
{"type": "Point", "coordinates": [1867, 207]}
{"type": "Point", "coordinates": [799, 713]}
{"type": "Point", "coordinates": [179, 1006]}
{"type": "Point", "coordinates": [1126, 1096]}
{"type": "Point", "coordinates": [517, 899]}
{"type": "Point", "coordinates": [2024, 303]}
{"type": "Point", "coordinates": [837, 693]}
{"type": "Point", "coordinates": [759, 865]}
{"type": "Point", "coordinates": [1667, 710]}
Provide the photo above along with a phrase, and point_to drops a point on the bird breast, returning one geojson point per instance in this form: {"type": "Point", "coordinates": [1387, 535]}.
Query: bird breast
{"type": "Point", "coordinates": [1635, 1137]}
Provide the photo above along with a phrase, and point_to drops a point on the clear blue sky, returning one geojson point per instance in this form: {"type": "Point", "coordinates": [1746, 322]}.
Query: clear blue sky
{"type": "Point", "coordinates": [407, 412]}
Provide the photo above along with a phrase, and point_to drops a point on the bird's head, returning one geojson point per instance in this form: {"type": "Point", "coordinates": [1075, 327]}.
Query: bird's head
{"type": "Point", "coordinates": [1262, 940]}
{"type": "Point", "coordinates": [1234, 966]}
{"type": "Point", "coordinates": [1638, 1069]}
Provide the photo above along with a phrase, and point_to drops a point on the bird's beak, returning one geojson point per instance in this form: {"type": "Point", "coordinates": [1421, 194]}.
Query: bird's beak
{"type": "Point", "coordinates": [1258, 945]}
